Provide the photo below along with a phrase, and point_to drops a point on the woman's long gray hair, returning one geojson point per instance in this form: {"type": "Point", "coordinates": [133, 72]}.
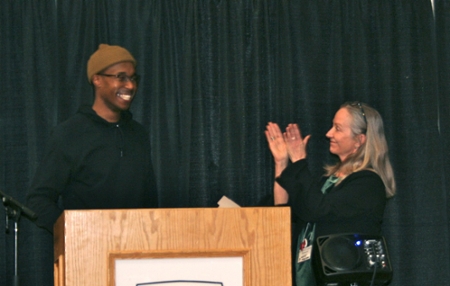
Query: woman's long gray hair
{"type": "Point", "coordinates": [373, 154]}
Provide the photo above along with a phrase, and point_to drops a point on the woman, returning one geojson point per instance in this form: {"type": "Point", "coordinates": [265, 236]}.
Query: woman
{"type": "Point", "coordinates": [351, 196]}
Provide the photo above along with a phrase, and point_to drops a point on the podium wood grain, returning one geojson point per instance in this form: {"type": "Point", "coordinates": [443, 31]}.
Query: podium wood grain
{"type": "Point", "coordinates": [87, 242]}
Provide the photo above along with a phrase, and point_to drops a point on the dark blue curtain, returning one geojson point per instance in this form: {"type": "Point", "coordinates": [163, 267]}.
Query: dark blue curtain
{"type": "Point", "coordinates": [214, 72]}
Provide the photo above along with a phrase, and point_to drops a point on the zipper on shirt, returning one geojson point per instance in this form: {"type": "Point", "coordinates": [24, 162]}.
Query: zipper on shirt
{"type": "Point", "coordinates": [120, 141]}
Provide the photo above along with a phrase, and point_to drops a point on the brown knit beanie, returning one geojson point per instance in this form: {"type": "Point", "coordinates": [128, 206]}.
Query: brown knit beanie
{"type": "Point", "coordinates": [106, 56]}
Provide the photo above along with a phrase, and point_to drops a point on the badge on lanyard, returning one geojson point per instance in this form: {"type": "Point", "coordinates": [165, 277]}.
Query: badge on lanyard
{"type": "Point", "coordinates": [305, 248]}
{"type": "Point", "coordinates": [304, 253]}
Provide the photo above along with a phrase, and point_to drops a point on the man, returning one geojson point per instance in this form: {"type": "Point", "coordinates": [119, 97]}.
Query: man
{"type": "Point", "coordinates": [100, 157]}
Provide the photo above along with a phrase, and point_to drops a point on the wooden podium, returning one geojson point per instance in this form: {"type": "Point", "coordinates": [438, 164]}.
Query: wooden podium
{"type": "Point", "coordinates": [89, 243]}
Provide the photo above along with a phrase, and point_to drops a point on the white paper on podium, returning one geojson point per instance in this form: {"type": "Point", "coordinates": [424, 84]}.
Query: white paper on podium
{"type": "Point", "coordinates": [225, 202]}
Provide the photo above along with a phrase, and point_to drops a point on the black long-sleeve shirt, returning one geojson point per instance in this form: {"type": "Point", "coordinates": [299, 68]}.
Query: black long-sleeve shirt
{"type": "Point", "coordinates": [355, 205]}
{"type": "Point", "coordinates": [90, 163]}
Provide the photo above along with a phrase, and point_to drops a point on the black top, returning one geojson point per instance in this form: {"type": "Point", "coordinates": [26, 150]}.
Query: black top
{"type": "Point", "coordinates": [355, 205]}
{"type": "Point", "coordinates": [90, 163]}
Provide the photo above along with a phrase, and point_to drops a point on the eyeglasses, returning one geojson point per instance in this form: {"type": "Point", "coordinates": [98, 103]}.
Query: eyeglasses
{"type": "Point", "coordinates": [123, 78]}
{"type": "Point", "coordinates": [362, 111]}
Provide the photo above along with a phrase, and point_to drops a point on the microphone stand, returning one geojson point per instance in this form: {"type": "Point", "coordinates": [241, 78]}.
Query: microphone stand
{"type": "Point", "coordinates": [14, 210]}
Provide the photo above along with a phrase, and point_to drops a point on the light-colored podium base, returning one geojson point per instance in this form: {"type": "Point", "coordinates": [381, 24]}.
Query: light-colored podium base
{"type": "Point", "coordinates": [88, 242]}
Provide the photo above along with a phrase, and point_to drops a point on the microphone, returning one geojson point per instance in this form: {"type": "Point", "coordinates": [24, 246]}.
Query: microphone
{"type": "Point", "coordinates": [7, 200]}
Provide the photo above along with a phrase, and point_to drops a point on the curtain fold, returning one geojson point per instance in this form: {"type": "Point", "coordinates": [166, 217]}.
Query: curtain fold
{"type": "Point", "coordinates": [213, 74]}
{"type": "Point", "coordinates": [442, 38]}
{"type": "Point", "coordinates": [28, 110]}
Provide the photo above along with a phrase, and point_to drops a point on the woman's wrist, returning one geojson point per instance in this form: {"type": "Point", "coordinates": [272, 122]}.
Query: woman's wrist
{"type": "Point", "coordinates": [297, 158]}
{"type": "Point", "coordinates": [279, 168]}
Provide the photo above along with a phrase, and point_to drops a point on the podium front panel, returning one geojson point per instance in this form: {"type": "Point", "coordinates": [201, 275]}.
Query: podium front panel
{"type": "Point", "coordinates": [89, 244]}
